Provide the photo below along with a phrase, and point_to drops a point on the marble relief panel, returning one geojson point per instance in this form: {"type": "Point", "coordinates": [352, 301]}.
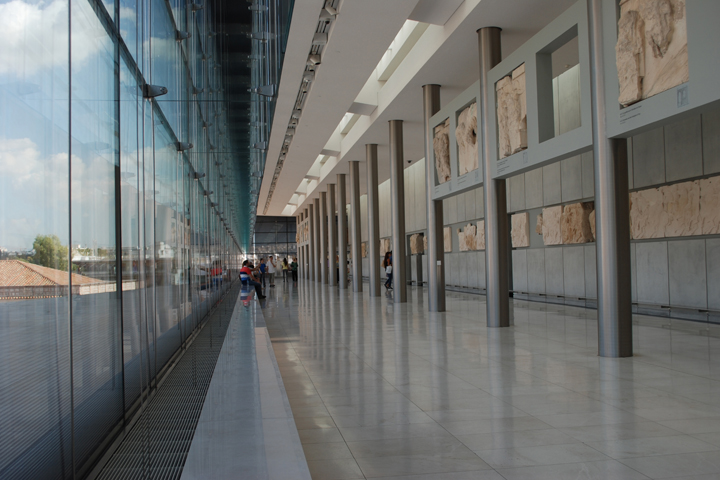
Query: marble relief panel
{"type": "Point", "coordinates": [466, 136]}
{"type": "Point", "coordinates": [681, 203]}
{"type": "Point", "coordinates": [575, 223]}
{"type": "Point", "coordinates": [647, 215]}
{"type": "Point", "coordinates": [651, 50]}
{"type": "Point", "coordinates": [512, 113]}
{"type": "Point", "coordinates": [441, 146]}
{"type": "Point", "coordinates": [447, 238]}
{"type": "Point", "coordinates": [520, 232]}
{"type": "Point", "coordinates": [551, 225]}
{"type": "Point", "coordinates": [710, 205]}
{"type": "Point", "coordinates": [417, 244]}
{"type": "Point", "coordinates": [480, 240]}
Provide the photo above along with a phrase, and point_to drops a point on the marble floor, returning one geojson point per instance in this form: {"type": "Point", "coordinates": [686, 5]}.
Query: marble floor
{"type": "Point", "coordinates": [380, 390]}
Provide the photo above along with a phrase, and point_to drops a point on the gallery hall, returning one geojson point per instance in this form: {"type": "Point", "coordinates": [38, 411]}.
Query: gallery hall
{"type": "Point", "coordinates": [359, 239]}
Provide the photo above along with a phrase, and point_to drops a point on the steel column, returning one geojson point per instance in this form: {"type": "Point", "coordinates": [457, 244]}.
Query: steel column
{"type": "Point", "coordinates": [397, 206]}
{"type": "Point", "coordinates": [332, 237]}
{"type": "Point", "coordinates": [323, 237]}
{"type": "Point", "coordinates": [612, 229]}
{"type": "Point", "coordinates": [342, 230]}
{"type": "Point", "coordinates": [318, 240]}
{"type": "Point", "coordinates": [311, 245]}
{"type": "Point", "coordinates": [435, 237]}
{"type": "Point", "coordinates": [497, 228]}
{"type": "Point", "coordinates": [373, 214]}
{"type": "Point", "coordinates": [355, 225]}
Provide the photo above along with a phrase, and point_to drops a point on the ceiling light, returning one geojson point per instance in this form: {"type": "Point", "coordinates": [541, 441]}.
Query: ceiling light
{"type": "Point", "coordinates": [314, 59]}
{"type": "Point", "coordinates": [330, 9]}
{"type": "Point", "coordinates": [309, 76]}
{"type": "Point", "coordinates": [296, 113]}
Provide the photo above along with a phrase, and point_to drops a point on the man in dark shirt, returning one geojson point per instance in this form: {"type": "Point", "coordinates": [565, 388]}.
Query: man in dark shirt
{"type": "Point", "coordinates": [247, 270]}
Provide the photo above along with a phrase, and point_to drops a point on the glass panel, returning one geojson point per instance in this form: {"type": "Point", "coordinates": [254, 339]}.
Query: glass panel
{"type": "Point", "coordinates": [166, 245]}
{"type": "Point", "coordinates": [34, 212]}
{"type": "Point", "coordinates": [165, 61]}
{"type": "Point", "coordinates": [131, 226]}
{"type": "Point", "coordinates": [97, 362]}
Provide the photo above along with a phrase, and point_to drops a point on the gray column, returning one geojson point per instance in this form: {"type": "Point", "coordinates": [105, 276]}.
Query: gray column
{"type": "Point", "coordinates": [323, 237]}
{"type": "Point", "coordinates": [397, 206]}
{"type": "Point", "coordinates": [299, 243]}
{"type": "Point", "coordinates": [373, 214]}
{"type": "Point", "coordinates": [318, 235]}
{"type": "Point", "coordinates": [332, 237]}
{"type": "Point", "coordinates": [311, 244]}
{"type": "Point", "coordinates": [355, 225]}
{"type": "Point", "coordinates": [497, 228]}
{"type": "Point", "coordinates": [342, 230]}
{"type": "Point", "coordinates": [435, 237]}
{"type": "Point", "coordinates": [612, 225]}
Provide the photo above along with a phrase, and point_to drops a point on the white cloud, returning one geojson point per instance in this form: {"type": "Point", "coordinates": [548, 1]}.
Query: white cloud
{"type": "Point", "coordinates": [34, 36]}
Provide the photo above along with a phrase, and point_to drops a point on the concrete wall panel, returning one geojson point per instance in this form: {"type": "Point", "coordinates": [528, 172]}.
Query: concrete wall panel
{"type": "Point", "coordinates": [519, 267]}
{"type": "Point", "coordinates": [482, 283]}
{"type": "Point", "coordinates": [652, 273]}
{"type": "Point", "coordinates": [534, 188]}
{"type": "Point", "coordinates": [648, 158]}
{"type": "Point", "coordinates": [571, 179]}
{"type": "Point", "coordinates": [536, 270]}
{"type": "Point", "coordinates": [574, 271]}
{"type": "Point", "coordinates": [588, 175]}
{"type": "Point", "coordinates": [590, 271]}
{"type": "Point", "coordinates": [683, 149]}
{"type": "Point", "coordinates": [516, 191]}
{"type": "Point", "coordinates": [711, 141]}
{"type": "Point", "coordinates": [552, 191]}
{"type": "Point", "coordinates": [554, 271]}
{"type": "Point", "coordinates": [712, 246]}
{"type": "Point", "coordinates": [688, 281]}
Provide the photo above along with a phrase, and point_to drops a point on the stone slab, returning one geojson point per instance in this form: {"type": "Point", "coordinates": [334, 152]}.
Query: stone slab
{"type": "Point", "coordinates": [520, 233]}
{"type": "Point", "coordinates": [710, 205]}
{"type": "Point", "coordinates": [681, 203]}
{"type": "Point", "coordinates": [466, 136]}
{"type": "Point", "coordinates": [441, 147]}
{"type": "Point", "coordinates": [647, 214]}
{"type": "Point", "coordinates": [575, 223]}
{"type": "Point", "coordinates": [552, 225]}
{"type": "Point", "coordinates": [688, 281]}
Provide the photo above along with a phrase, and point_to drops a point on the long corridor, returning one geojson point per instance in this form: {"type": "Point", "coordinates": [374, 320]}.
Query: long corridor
{"type": "Point", "coordinates": [380, 390]}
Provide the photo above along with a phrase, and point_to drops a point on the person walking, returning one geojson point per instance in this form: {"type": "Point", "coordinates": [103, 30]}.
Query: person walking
{"type": "Point", "coordinates": [294, 268]}
{"type": "Point", "coordinates": [387, 265]}
{"type": "Point", "coordinates": [271, 268]}
{"type": "Point", "coordinates": [285, 269]}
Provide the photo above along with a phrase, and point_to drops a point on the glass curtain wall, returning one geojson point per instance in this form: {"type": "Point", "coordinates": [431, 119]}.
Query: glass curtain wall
{"type": "Point", "coordinates": [115, 236]}
{"type": "Point", "coordinates": [275, 236]}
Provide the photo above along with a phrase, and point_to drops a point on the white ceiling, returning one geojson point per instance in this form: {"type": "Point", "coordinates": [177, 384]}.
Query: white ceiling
{"type": "Point", "coordinates": [446, 55]}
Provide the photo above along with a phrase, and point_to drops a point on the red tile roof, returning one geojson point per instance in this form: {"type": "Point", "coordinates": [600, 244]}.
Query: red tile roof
{"type": "Point", "coordinates": [15, 273]}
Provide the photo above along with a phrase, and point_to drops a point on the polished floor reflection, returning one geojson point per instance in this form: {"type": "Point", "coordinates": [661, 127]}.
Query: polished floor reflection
{"type": "Point", "coordinates": [380, 390]}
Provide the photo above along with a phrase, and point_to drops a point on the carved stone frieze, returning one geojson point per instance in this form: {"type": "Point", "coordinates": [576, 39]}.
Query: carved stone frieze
{"type": "Point", "coordinates": [710, 205]}
{"type": "Point", "coordinates": [466, 136]}
{"type": "Point", "coordinates": [575, 223]}
{"type": "Point", "coordinates": [480, 240]}
{"type": "Point", "coordinates": [551, 225]}
{"type": "Point", "coordinates": [447, 239]}
{"type": "Point", "coordinates": [681, 203]}
{"type": "Point", "coordinates": [651, 50]}
{"type": "Point", "coordinates": [512, 113]}
{"type": "Point", "coordinates": [647, 215]}
{"type": "Point", "coordinates": [441, 146]}
{"type": "Point", "coordinates": [416, 244]}
{"type": "Point", "coordinates": [520, 232]}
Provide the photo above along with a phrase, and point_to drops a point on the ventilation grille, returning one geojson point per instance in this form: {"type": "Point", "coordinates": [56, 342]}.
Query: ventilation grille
{"type": "Point", "coordinates": [158, 444]}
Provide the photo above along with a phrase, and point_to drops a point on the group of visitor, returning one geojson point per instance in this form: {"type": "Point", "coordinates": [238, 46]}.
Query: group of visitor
{"type": "Point", "coordinates": [266, 269]}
